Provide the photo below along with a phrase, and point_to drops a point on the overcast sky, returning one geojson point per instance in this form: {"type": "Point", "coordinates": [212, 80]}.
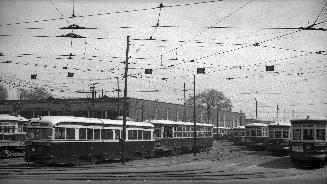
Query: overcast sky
{"type": "Point", "coordinates": [187, 31]}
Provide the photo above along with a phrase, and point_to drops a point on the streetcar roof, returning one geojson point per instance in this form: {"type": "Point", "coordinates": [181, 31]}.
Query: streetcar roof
{"type": "Point", "coordinates": [221, 127]}
{"type": "Point", "coordinates": [276, 124]}
{"type": "Point", "coordinates": [7, 117]}
{"type": "Point", "coordinates": [54, 120]}
{"type": "Point", "coordinates": [256, 125]}
{"type": "Point", "coordinates": [169, 122]}
{"type": "Point", "coordinates": [310, 118]}
{"type": "Point", "coordinates": [239, 127]}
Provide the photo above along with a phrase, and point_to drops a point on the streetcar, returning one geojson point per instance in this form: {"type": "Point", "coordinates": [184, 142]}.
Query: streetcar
{"type": "Point", "coordinates": [256, 135]}
{"type": "Point", "coordinates": [220, 133]}
{"type": "Point", "coordinates": [77, 140]}
{"type": "Point", "coordinates": [239, 135]}
{"type": "Point", "coordinates": [174, 138]}
{"type": "Point", "coordinates": [309, 141]}
{"type": "Point", "coordinates": [12, 135]}
{"type": "Point", "coordinates": [279, 138]}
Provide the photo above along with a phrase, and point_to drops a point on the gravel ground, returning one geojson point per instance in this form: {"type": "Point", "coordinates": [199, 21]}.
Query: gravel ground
{"type": "Point", "coordinates": [225, 163]}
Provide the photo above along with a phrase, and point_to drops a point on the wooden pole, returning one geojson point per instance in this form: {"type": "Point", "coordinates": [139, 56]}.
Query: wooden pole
{"type": "Point", "coordinates": [194, 120]}
{"type": "Point", "coordinates": [123, 140]}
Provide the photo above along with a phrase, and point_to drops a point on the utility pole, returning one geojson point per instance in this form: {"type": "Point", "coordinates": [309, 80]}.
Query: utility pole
{"type": "Point", "coordinates": [256, 108]}
{"type": "Point", "coordinates": [277, 114]}
{"type": "Point", "coordinates": [194, 119]}
{"type": "Point", "coordinates": [284, 115]}
{"type": "Point", "coordinates": [118, 96]}
{"type": "Point", "coordinates": [125, 104]}
{"type": "Point", "coordinates": [184, 103]}
{"type": "Point", "coordinates": [142, 118]}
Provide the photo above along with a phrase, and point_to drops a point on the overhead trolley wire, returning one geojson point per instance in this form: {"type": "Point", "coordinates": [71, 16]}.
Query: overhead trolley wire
{"type": "Point", "coordinates": [110, 13]}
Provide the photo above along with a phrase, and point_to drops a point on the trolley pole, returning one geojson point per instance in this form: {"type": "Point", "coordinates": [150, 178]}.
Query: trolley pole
{"type": "Point", "coordinates": [194, 119]}
{"type": "Point", "coordinates": [125, 104]}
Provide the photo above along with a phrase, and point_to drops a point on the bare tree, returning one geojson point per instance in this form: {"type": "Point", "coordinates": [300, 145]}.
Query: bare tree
{"type": "Point", "coordinates": [33, 94]}
{"type": "Point", "coordinates": [3, 92]}
{"type": "Point", "coordinates": [210, 99]}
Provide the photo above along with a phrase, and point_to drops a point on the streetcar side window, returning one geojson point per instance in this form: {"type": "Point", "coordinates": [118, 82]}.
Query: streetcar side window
{"type": "Point", "coordinates": [59, 133]}
{"type": "Point", "coordinates": [139, 135]}
{"type": "Point", "coordinates": [70, 133]}
{"type": "Point", "coordinates": [146, 135]}
{"type": "Point", "coordinates": [117, 134]}
{"type": "Point", "coordinates": [132, 134]}
{"type": "Point", "coordinates": [320, 134]}
{"type": "Point", "coordinates": [89, 134]}
{"type": "Point", "coordinates": [107, 134]}
{"type": "Point", "coordinates": [96, 134]}
{"type": "Point", "coordinates": [82, 133]}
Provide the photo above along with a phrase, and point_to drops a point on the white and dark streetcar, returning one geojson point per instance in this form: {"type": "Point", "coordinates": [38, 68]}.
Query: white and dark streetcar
{"type": "Point", "coordinates": [238, 135]}
{"type": "Point", "coordinates": [256, 135]}
{"type": "Point", "coordinates": [220, 133]}
{"type": "Point", "coordinates": [279, 138]}
{"type": "Point", "coordinates": [309, 141]}
{"type": "Point", "coordinates": [74, 140]}
{"type": "Point", "coordinates": [12, 134]}
{"type": "Point", "coordinates": [178, 137]}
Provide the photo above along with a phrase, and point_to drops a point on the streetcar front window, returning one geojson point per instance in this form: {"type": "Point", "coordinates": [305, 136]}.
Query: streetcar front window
{"type": "Point", "coordinates": [285, 134]}
{"type": "Point", "coordinates": [308, 134]}
{"type": "Point", "coordinates": [146, 135]}
{"type": "Point", "coordinates": [278, 134]}
{"type": "Point", "coordinates": [320, 134]}
{"type": "Point", "coordinates": [253, 133]}
{"type": "Point", "coordinates": [297, 134]}
{"type": "Point", "coordinates": [59, 133]}
{"type": "Point", "coordinates": [39, 133]}
{"type": "Point", "coordinates": [117, 134]}
{"type": "Point", "coordinates": [157, 133]}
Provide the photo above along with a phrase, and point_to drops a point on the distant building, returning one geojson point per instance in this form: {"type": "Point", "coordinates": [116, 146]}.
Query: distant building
{"type": "Point", "coordinates": [111, 108]}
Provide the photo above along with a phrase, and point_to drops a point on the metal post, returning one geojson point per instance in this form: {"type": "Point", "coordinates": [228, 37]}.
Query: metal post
{"type": "Point", "coordinates": [184, 103]}
{"type": "Point", "coordinates": [142, 118]}
{"type": "Point", "coordinates": [194, 120]}
{"type": "Point", "coordinates": [256, 108]}
{"type": "Point", "coordinates": [125, 104]}
{"type": "Point", "coordinates": [217, 122]}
